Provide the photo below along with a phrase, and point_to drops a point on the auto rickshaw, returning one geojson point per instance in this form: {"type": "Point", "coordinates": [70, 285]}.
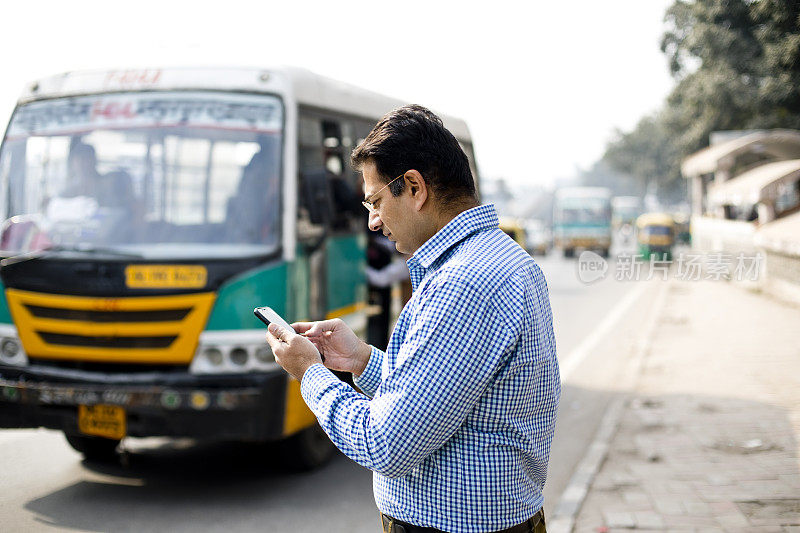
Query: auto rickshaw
{"type": "Point", "coordinates": [655, 235]}
{"type": "Point", "coordinates": [514, 229]}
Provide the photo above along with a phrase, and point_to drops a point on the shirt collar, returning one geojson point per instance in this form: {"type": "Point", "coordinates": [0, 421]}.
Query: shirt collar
{"type": "Point", "coordinates": [463, 225]}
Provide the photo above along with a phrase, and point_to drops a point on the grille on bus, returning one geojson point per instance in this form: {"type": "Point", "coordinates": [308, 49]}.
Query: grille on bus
{"type": "Point", "coordinates": [109, 316]}
{"type": "Point", "coordinates": [145, 329]}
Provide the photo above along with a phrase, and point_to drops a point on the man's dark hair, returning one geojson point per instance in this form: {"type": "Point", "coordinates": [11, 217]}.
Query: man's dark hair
{"type": "Point", "coordinates": [412, 137]}
{"type": "Point", "coordinates": [83, 151]}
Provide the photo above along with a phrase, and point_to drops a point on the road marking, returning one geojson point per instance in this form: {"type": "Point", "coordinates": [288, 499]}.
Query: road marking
{"type": "Point", "coordinates": [565, 513]}
{"type": "Point", "coordinates": [579, 353]}
{"type": "Point", "coordinates": [11, 435]}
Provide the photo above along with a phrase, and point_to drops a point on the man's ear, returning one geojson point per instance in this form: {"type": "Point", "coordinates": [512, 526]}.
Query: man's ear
{"type": "Point", "coordinates": [417, 188]}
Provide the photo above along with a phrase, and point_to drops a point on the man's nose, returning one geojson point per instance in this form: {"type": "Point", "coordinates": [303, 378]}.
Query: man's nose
{"type": "Point", "coordinates": [374, 222]}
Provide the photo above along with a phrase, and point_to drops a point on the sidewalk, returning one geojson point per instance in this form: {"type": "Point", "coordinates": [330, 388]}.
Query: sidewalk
{"type": "Point", "coordinates": [710, 439]}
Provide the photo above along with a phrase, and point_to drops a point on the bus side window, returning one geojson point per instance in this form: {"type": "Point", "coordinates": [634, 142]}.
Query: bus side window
{"type": "Point", "coordinates": [344, 194]}
{"type": "Point", "coordinates": [325, 144]}
{"type": "Point", "coordinates": [332, 141]}
{"type": "Point", "coordinates": [310, 161]}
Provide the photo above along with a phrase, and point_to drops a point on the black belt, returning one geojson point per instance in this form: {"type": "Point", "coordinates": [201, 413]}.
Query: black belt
{"type": "Point", "coordinates": [393, 525]}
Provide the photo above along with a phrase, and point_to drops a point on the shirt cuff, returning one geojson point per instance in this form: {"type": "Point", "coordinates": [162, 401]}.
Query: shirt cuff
{"type": "Point", "coordinates": [316, 380]}
{"type": "Point", "coordinates": [370, 378]}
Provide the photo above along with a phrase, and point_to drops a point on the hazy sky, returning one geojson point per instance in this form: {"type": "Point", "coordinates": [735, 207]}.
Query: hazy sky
{"type": "Point", "coordinates": [542, 85]}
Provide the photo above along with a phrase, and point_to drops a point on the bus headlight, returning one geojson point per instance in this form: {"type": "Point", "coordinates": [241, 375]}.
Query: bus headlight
{"type": "Point", "coordinates": [264, 354]}
{"type": "Point", "coordinates": [11, 352]}
{"type": "Point", "coordinates": [9, 348]}
{"type": "Point", "coordinates": [239, 356]}
{"type": "Point", "coordinates": [233, 352]}
{"type": "Point", "coordinates": [214, 356]}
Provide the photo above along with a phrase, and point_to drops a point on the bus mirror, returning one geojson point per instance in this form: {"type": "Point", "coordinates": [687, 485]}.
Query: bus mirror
{"type": "Point", "coordinates": [23, 233]}
{"type": "Point", "coordinates": [316, 196]}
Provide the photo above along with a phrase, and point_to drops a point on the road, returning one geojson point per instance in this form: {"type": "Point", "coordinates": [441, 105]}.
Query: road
{"type": "Point", "coordinates": [178, 486]}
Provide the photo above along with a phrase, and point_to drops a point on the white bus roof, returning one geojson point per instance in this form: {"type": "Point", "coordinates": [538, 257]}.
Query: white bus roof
{"type": "Point", "coordinates": [626, 201]}
{"type": "Point", "coordinates": [306, 87]}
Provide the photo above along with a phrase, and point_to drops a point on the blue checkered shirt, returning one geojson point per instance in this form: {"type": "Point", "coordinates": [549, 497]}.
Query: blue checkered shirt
{"type": "Point", "coordinates": [460, 410]}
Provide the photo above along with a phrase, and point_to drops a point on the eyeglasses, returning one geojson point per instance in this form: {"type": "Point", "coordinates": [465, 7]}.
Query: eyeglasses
{"type": "Point", "coordinates": [368, 202]}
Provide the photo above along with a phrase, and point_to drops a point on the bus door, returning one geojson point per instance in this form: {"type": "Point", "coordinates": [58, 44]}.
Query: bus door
{"type": "Point", "coordinates": [332, 236]}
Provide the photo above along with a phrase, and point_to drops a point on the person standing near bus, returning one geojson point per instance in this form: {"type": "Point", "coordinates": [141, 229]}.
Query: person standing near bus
{"type": "Point", "coordinates": [458, 414]}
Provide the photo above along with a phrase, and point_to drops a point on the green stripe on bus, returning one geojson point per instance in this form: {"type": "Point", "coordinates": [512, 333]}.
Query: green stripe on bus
{"type": "Point", "coordinates": [346, 279]}
{"type": "Point", "coordinates": [237, 298]}
{"type": "Point", "coordinates": [5, 314]}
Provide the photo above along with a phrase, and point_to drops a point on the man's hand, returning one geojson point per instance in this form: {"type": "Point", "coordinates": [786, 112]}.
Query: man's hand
{"type": "Point", "coordinates": [342, 349]}
{"type": "Point", "coordinates": [293, 352]}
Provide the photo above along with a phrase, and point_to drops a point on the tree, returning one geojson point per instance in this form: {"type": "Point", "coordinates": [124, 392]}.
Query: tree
{"type": "Point", "coordinates": [778, 32]}
{"type": "Point", "coordinates": [737, 66]}
{"type": "Point", "coordinates": [646, 155]}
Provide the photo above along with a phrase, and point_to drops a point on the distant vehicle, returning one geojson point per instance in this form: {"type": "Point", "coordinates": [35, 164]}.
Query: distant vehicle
{"type": "Point", "coordinates": [539, 238]}
{"type": "Point", "coordinates": [625, 210]}
{"type": "Point", "coordinates": [655, 233]}
{"type": "Point", "coordinates": [148, 213]}
{"type": "Point", "coordinates": [514, 229]}
{"type": "Point", "coordinates": [683, 233]}
{"type": "Point", "coordinates": [582, 219]}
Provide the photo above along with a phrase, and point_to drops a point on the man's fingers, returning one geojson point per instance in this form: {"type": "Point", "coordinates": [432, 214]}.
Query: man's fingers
{"type": "Point", "coordinates": [314, 329]}
{"type": "Point", "coordinates": [279, 332]}
{"type": "Point", "coordinates": [273, 341]}
{"type": "Point", "coordinates": [302, 327]}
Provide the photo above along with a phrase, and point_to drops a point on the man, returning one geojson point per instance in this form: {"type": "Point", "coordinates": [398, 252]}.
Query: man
{"type": "Point", "coordinates": [385, 269]}
{"type": "Point", "coordinates": [111, 190]}
{"type": "Point", "coordinates": [459, 411]}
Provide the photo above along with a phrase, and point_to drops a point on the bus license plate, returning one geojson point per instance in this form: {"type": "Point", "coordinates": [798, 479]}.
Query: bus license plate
{"type": "Point", "coordinates": [102, 421]}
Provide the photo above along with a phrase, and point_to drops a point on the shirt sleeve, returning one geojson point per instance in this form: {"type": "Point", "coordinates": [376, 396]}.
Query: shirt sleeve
{"type": "Point", "coordinates": [370, 378]}
{"type": "Point", "coordinates": [451, 353]}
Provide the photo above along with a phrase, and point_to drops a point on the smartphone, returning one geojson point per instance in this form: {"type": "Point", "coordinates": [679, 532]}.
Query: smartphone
{"type": "Point", "coordinates": [268, 315]}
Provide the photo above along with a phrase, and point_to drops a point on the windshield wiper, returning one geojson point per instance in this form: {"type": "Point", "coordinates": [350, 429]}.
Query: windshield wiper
{"type": "Point", "coordinates": [79, 248]}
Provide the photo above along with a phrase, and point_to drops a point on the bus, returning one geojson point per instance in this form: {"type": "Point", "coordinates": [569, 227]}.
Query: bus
{"type": "Point", "coordinates": [625, 210]}
{"type": "Point", "coordinates": [147, 213]}
{"type": "Point", "coordinates": [582, 219]}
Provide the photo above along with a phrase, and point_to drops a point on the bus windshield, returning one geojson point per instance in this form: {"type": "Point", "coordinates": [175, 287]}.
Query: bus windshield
{"type": "Point", "coordinates": [156, 173]}
{"type": "Point", "coordinates": [585, 210]}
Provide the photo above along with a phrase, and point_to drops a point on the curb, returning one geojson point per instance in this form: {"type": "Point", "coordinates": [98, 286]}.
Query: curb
{"type": "Point", "coordinates": [566, 512]}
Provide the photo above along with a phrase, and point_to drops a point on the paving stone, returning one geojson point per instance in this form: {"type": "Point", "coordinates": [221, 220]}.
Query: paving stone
{"type": "Point", "coordinates": [792, 480]}
{"type": "Point", "coordinates": [692, 521]}
{"type": "Point", "coordinates": [648, 520]}
{"type": "Point", "coordinates": [619, 519]}
{"type": "Point", "coordinates": [669, 507]}
{"type": "Point", "coordinates": [723, 507]}
{"type": "Point", "coordinates": [636, 500]}
{"type": "Point", "coordinates": [732, 519]}
{"type": "Point", "coordinates": [695, 508]}
{"type": "Point", "coordinates": [624, 479]}
{"type": "Point", "coordinates": [718, 479]}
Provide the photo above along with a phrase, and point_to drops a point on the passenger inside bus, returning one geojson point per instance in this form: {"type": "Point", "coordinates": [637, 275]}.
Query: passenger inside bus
{"type": "Point", "coordinates": [111, 190]}
{"type": "Point", "coordinates": [107, 199]}
{"type": "Point", "coordinates": [346, 202]}
{"type": "Point", "coordinates": [252, 215]}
